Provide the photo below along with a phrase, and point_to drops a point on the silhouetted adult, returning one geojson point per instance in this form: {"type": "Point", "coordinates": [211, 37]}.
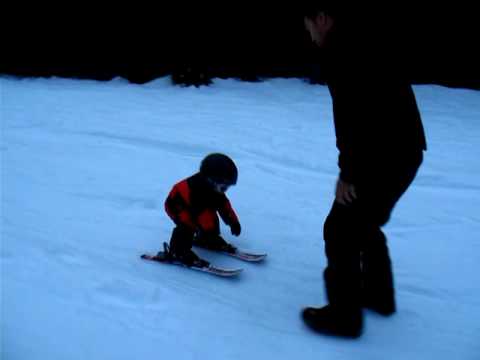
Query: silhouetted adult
{"type": "Point", "coordinates": [381, 140]}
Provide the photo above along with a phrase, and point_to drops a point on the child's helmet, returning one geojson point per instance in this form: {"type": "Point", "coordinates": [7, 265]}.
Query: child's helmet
{"type": "Point", "coordinates": [219, 168]}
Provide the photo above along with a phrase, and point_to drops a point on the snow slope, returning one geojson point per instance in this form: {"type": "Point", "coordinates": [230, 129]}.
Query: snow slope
{"type": "Point", "coordinates": [86, 166]}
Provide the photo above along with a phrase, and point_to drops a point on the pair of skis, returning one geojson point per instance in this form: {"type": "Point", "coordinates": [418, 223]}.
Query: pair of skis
{"type": "Point", "coordinates": [162, 257]}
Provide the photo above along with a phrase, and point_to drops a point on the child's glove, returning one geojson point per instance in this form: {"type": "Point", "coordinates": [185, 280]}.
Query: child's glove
{"type": "Point", "coordinates": [236, 228]}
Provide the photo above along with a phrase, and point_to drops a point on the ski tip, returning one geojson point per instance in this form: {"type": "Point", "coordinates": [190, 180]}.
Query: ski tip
{"type": "Point", "coordinates": [223, 272]}
{"type": "Point", "coordinates": [255, 258]}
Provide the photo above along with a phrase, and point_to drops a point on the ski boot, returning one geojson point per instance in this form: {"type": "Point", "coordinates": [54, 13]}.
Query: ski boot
{"type": "Point", "coordinates": [214, 242]}
{"type": "Point", "coordinates": [188, 258]}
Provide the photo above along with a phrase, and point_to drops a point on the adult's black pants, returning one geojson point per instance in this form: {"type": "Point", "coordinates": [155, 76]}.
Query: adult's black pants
{"type": "Point", "coordinates": [359, 269]}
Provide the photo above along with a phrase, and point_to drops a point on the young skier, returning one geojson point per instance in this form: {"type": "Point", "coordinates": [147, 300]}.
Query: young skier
{"type": "Point", "coordinates": [193, 204]}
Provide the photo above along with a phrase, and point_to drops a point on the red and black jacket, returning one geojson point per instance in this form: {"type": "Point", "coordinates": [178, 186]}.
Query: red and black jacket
{"type": "Point", "coordinates": [194, 204]}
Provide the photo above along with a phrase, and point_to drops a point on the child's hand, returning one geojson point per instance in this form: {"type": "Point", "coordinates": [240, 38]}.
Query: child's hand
{"type": "Point", "coordinates": [236, 229]}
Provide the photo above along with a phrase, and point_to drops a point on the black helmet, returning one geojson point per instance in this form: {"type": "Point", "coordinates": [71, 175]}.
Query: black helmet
{"type": "Point", "coordinates": [219, 168]}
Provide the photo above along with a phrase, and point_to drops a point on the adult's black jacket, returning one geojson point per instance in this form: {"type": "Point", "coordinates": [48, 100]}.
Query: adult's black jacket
{"type": "Point", "coordinates": [377, 121]}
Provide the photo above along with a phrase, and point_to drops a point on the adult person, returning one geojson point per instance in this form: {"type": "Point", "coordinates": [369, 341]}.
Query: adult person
{"type": "Point", "coordinates": [381, 140]}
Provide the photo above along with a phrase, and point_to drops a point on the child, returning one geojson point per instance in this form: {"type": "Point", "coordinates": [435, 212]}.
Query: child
{"type": "Point", "coordinates": [193, 204]}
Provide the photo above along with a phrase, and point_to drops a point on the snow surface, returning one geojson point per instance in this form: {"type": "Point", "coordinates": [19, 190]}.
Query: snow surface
{"type": "Point", "coordinates": [85, 169]}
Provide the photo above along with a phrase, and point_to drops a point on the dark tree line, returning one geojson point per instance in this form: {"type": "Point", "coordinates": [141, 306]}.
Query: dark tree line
{"type": "Point", "coordinates": [194, 44]}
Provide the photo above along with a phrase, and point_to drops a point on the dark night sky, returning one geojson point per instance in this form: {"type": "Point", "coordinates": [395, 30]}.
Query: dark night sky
{"type": "Point", "coordinates": [442, 42]}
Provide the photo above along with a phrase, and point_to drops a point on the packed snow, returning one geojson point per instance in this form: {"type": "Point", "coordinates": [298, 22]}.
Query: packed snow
{"type": "Point", "coordinates": [86, 167]}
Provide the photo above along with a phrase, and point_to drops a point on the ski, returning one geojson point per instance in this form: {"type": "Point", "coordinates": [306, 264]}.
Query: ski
{"type": "Point", "coordinates": [214, 270]}
{"type": "Point", "coordinates": [239, 254]}
{"type": "Point", "coordinates": [246, 256]}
